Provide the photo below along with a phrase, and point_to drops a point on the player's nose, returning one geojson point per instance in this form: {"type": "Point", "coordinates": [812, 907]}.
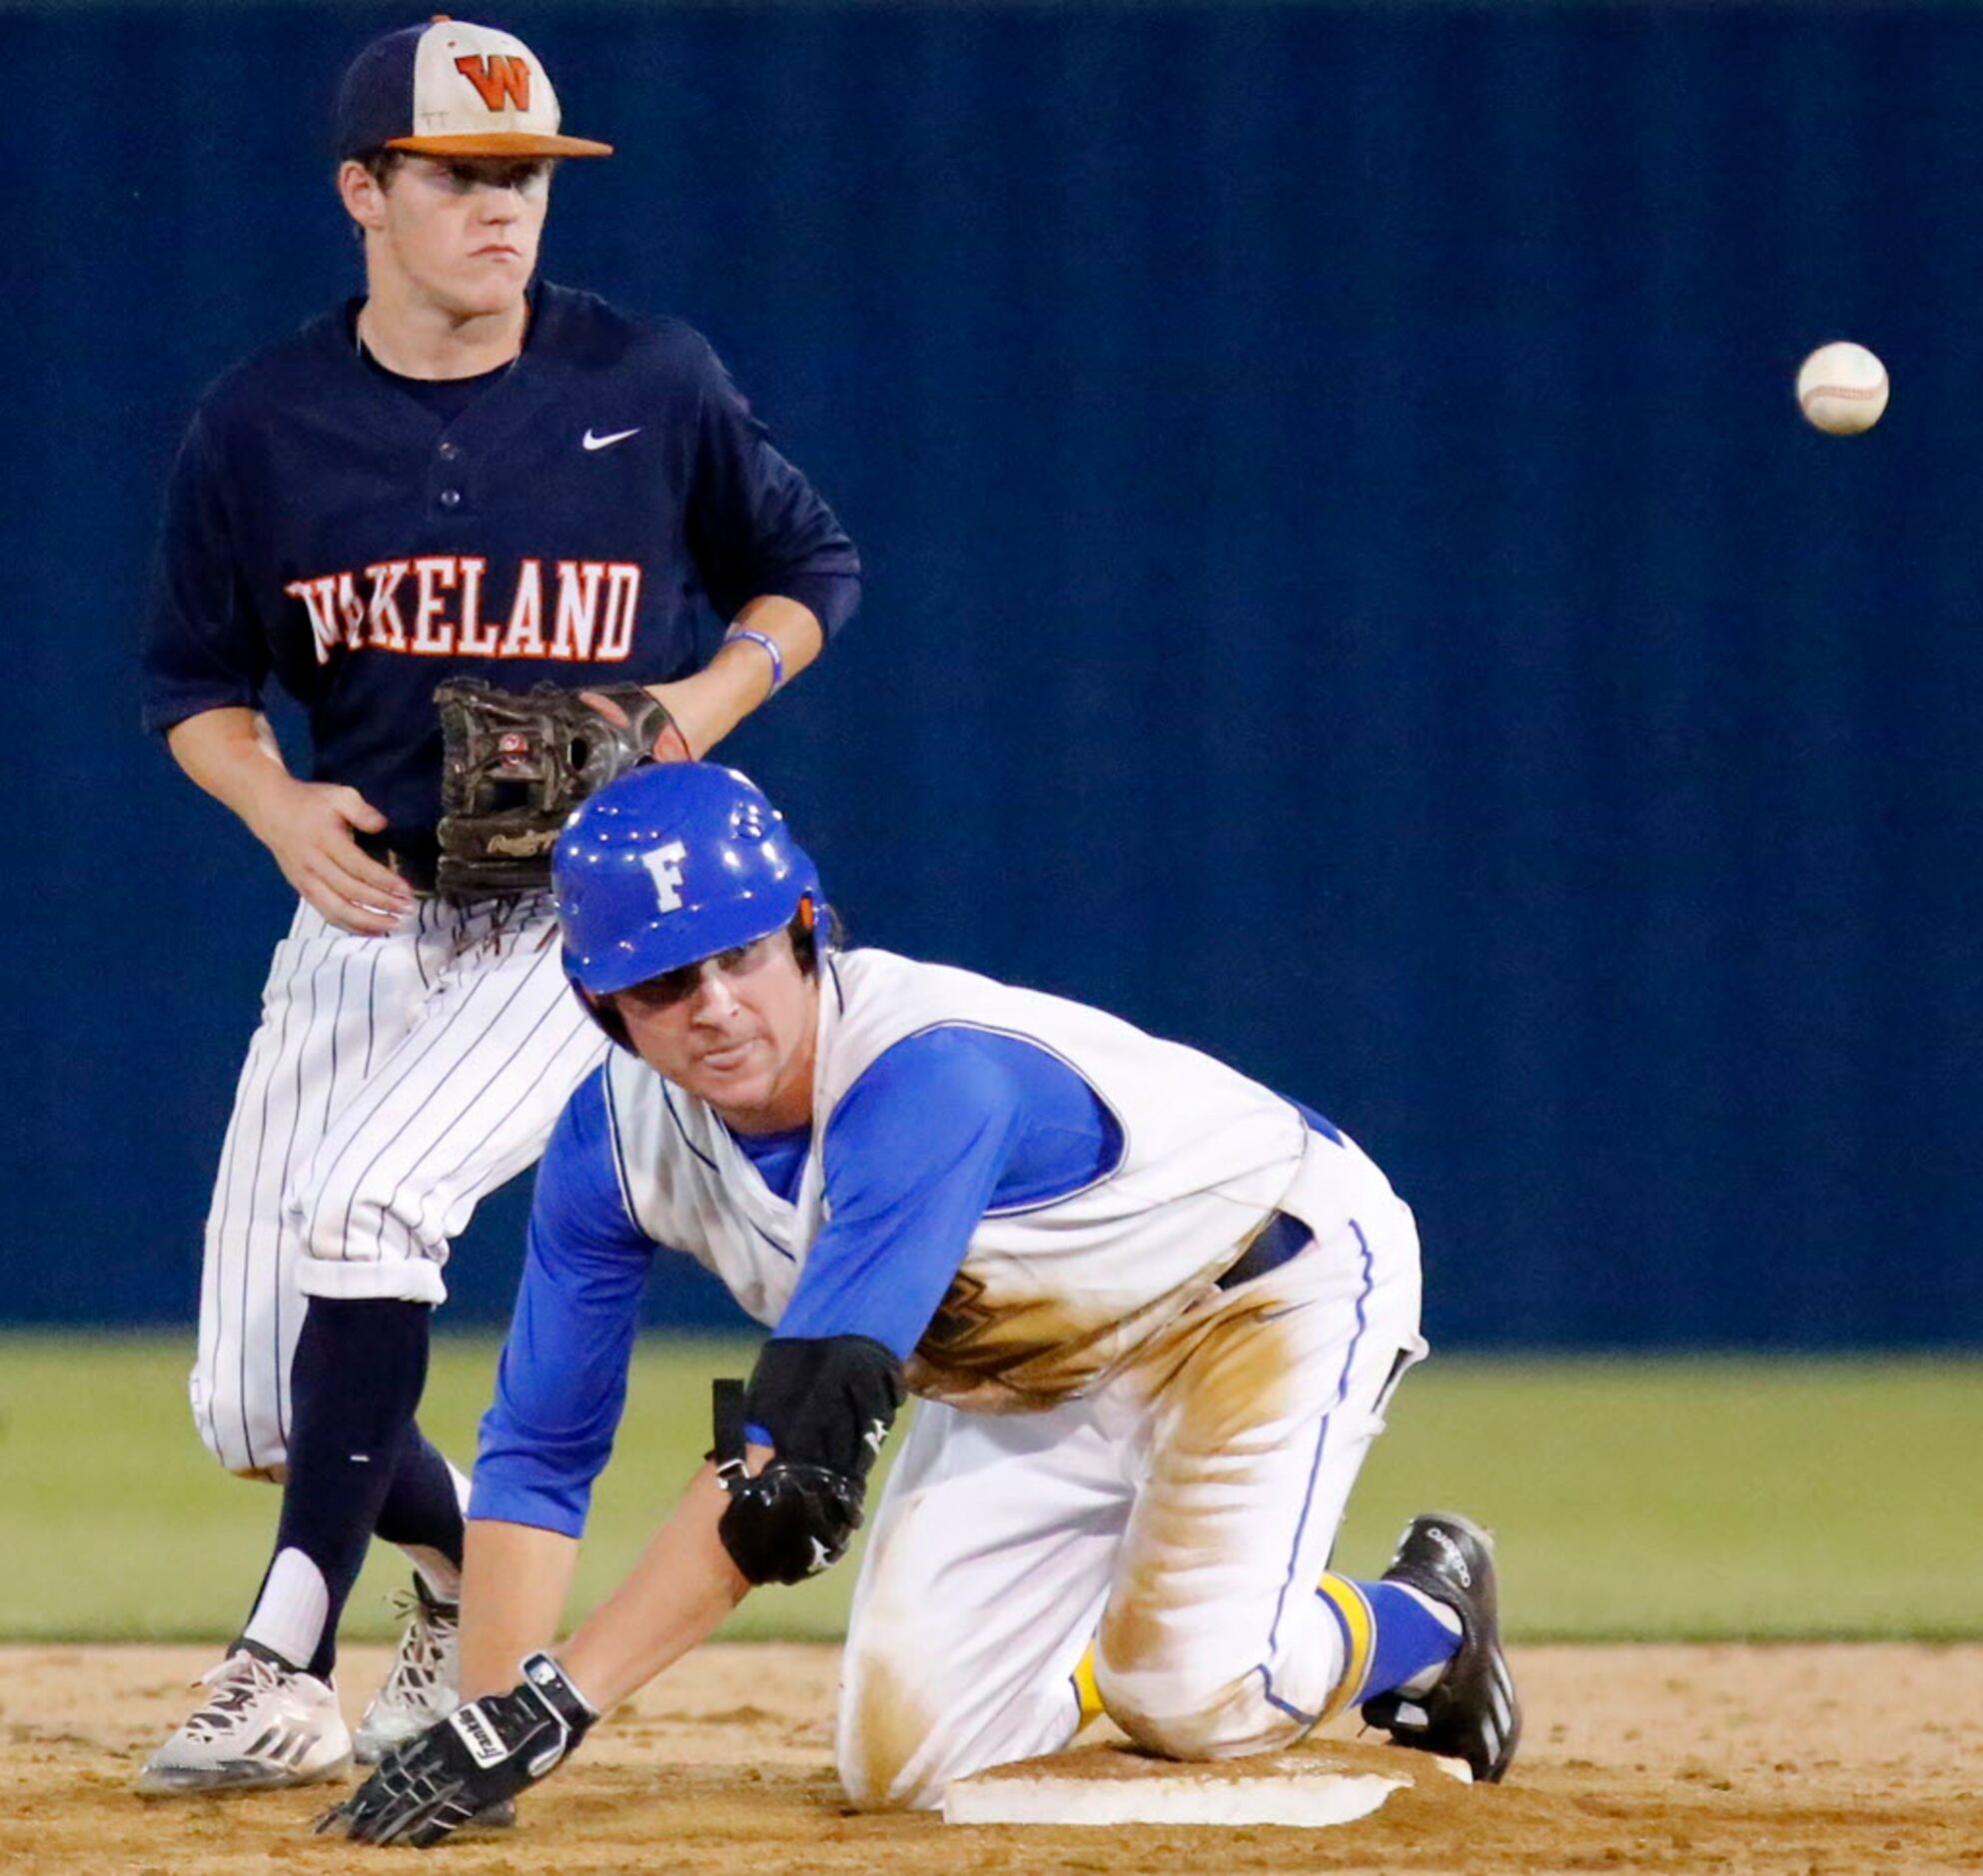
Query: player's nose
{"type": "Point", "coordinates": [714, 1001]}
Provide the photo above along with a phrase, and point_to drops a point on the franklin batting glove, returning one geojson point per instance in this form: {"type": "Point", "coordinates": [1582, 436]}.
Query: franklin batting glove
{"type": "Point", "coordinates": [481, 1754]}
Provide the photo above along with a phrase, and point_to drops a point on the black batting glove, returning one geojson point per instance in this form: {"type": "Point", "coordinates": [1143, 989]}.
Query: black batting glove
{"type": "Point", "coordinates": [481, 1754]}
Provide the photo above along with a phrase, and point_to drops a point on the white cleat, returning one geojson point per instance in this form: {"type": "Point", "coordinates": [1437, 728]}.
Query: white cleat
{"type": "Point", "coordinates": [263, 1725]}
{"type": "Point", "coordinates": [425, 1684]}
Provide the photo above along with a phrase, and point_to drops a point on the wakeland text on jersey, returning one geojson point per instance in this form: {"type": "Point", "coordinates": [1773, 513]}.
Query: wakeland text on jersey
{"type": "Point", "coordinates": [433, 607]}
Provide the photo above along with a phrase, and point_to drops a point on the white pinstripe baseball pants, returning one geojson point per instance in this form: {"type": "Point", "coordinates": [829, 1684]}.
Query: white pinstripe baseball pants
{"type": "Point", "coordinates": [391, 1084]}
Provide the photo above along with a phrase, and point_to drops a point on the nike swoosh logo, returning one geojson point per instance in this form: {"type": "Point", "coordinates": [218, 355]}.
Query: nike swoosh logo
{"type": "Point", "coordinates": [607, 443]}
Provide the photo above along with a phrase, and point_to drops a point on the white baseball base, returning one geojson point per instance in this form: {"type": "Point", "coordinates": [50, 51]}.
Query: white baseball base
{"type": "Point", "coordinates": [1111, 1785]}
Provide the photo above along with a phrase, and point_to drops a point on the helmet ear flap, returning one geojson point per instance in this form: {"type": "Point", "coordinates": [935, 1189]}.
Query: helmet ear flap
{"type": "Point", "coordinates": [601, 1010]}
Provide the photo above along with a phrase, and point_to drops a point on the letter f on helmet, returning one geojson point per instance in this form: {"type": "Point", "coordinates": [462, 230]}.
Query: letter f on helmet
{"type": "Point", "coordinates": [664, 863]}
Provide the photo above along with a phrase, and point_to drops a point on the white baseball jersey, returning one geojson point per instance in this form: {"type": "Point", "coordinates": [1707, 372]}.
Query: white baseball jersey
{"type": "Point", "coordinates": [1051, 1297]}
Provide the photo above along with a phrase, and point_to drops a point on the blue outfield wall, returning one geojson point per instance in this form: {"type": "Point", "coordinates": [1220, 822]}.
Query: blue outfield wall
{"type": "Point", "coordinates": [1349, 587]}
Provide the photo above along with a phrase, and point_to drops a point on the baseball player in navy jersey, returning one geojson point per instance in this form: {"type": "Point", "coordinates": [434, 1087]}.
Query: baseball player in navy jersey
{"type": "Point", "coordinates": [466, 471]}
{"type": "Point", "coordinates": [1152, 1311]}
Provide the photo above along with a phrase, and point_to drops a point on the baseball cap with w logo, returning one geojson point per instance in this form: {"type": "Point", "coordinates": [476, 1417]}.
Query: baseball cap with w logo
{"type": "Point", "coordinates": [452, 89]}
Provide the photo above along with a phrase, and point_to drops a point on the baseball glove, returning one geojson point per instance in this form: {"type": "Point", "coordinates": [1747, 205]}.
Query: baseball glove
{"type": "Point", "coordinates": [513, 764]}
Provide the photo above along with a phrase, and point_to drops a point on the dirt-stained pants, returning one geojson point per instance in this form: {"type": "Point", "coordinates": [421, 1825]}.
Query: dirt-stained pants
{"type": "Point", "coordinates": [1180, 1516]}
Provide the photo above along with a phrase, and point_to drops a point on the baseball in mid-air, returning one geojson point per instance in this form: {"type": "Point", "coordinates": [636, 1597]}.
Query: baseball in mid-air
{"type": "Point", "coordinates": [1842, 388]}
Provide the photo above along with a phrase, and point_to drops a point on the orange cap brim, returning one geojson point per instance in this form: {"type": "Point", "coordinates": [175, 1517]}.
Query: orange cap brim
{"type": "Point", "coordinates": [501, 143]}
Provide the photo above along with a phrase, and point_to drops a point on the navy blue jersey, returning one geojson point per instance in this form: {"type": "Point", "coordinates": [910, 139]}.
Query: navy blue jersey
{"type": "Point", "coordinates": [328, 528]}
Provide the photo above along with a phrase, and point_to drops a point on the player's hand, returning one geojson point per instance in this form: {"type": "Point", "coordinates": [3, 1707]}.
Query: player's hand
{"type": "Point", "coordinates": [482, 1753]}
{"type": "Point", "coordinates": [308, 827]}
{"type": "Point", "coordinates": [641, 710]}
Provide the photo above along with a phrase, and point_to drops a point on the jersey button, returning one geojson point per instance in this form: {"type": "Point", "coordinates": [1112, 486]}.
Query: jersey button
{"type": "Point", "coordinates": [449, 451]}
{"type": "Point", "coordinates": [451, 497]}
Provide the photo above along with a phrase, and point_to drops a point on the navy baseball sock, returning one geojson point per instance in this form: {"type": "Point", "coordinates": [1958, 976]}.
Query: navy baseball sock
{"type": "Point", "coordinates": [423, 1515]}
{"type": "Point", "coordinates": [354, 1388]}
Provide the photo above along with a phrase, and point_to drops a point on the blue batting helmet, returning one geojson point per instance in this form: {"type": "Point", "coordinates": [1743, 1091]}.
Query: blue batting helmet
{"type": "Point", "coordinates": [668, 865]}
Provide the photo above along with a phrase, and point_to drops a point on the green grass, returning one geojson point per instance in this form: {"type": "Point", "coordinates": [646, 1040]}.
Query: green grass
{"type": "Point", "coordinates": [1643, 1500]}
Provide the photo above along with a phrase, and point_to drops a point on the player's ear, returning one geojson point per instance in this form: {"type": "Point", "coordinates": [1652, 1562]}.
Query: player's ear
{"type": "Point", "coordinates": [803, 931]}
{"type": "Point", "coordinates": [361, 193]}
{"type": "Point", "coordinates": [816, 931]}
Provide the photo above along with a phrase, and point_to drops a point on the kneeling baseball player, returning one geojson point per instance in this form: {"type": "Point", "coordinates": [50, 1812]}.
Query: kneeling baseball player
{"type": "Point", "coordinates": [1153, 1311]}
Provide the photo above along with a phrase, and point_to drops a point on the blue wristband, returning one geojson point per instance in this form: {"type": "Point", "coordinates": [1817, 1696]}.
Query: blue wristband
{"type": "Point", "coordinates": [771, 645]}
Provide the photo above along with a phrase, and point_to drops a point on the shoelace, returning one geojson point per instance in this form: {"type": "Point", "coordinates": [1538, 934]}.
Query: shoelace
{"type": "Point", "coordinates": [421, 1659]}
{"type": "Point", "coordinates": [237, 1682]}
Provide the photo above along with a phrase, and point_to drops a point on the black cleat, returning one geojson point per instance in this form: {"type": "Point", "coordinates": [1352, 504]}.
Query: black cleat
{"type": "Point", "coordinates": [1472, 1714]}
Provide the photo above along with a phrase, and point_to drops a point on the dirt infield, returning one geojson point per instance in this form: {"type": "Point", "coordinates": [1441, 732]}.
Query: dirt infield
{"type": "Point", "coordinates": [1779, 1759]}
